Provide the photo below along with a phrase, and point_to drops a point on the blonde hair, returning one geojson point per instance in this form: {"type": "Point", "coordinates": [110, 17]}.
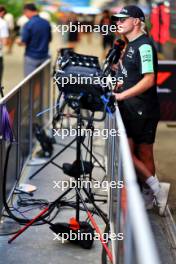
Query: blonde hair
{"type": "Point", "coordinates": [144, 28]}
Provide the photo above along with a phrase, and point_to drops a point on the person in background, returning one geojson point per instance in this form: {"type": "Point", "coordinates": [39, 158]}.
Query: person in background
{"type": "Point", "coordinates": [73, 37]}
{"type": "Point", "coordinates": [36, 36]}
{"type": "Point", "coordinates": [11, 27]}
{"type": "Point", "coordinates": [21, 21]}
{"type": "Point", "coordinates": [63, 36]}
{"type": "Point", "coordinates": [88, 20]}
{"type": "Point", "coordinates": [107, 39]}
{"type": "Point", "coordinates": [45, 15]}
{"type": "Point", "coordinates": [4, 34]}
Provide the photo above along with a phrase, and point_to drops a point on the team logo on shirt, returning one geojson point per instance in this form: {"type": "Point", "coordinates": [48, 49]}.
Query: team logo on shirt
{"type": "Point", "coordinates": [147, 57]}
{"type": "Point", "coordinates": [130, 53]}
{"type": "Point", "coordinates": [124, 70]}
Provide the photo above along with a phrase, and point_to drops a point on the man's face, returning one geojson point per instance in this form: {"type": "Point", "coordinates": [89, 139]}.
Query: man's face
{"type": "Point", "coordinates": [2, 14]}
{"type": "Point", "coordinates": [125, 25]}
{"type": "Point", "coordinates": [28, 13]}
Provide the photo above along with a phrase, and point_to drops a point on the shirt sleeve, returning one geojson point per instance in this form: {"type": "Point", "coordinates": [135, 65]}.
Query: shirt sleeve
{"type": "Point", "coordinates": [146, 58]}
{"type": "Point", "coordinates": [4, 33]}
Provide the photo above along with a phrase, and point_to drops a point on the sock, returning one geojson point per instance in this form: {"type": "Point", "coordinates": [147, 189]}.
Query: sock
{"type": "Point", "coordinates": [153, 183]}
{"type": "Point", "coordinates": [156, 176]}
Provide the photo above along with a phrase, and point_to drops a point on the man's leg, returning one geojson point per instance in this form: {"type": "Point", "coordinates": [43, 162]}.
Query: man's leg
{"type": "Point", "coordinates": [145, 154]}
{"type": "Point", "coordinates": [160, 191]}
{"type": "Point", "coordinates": [31, 64]}
{"type": "Point", "coordinates": [144, 172]}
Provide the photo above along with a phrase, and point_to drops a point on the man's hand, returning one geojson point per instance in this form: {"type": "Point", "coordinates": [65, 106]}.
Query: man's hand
{"type": "Point", "coordinates": [19, 42]}
{"type": "Point", "coordinates": [114, 67]}
{"type": "Point", "coordinates": [119, 97]}
{"type": "Point", "coordinates": [118, 85]}
{"type": "Point", "coordinates": [4, 41]}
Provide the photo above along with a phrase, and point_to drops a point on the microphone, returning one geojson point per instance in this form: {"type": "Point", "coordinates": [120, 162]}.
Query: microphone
{"type": "Point", "coordinates": [114, 54]}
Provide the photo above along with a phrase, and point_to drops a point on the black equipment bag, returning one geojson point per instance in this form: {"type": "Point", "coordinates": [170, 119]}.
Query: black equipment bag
{"type": "Point", "coordinates": [83, 73]}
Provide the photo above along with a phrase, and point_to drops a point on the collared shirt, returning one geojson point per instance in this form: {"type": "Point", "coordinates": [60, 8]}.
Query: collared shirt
{"type": "Point", "coordinates": [36, 34]}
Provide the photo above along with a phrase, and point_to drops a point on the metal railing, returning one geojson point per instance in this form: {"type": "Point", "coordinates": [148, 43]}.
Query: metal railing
{"type": "Point", "coordinates": [23, 102]}
{"type": "Point", "coordinates": [126, 207]}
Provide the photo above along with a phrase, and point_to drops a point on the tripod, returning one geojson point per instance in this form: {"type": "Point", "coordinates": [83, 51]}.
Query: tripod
{"type": "Point", "coordinates": [78, 166]}
{"type": "Point", "coordinates": [81, 139]}
{"type": "Point", "coordinates": [57, 228]}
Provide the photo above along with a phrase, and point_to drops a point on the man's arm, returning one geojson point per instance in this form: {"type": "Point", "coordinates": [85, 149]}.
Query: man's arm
{"type": "Point", "coordinates": [4, 33]}
{"type": "Point", "coordinates": [143, 85]}
{"type": "Point", "coordinates": [25, 36]}
{"type": "Point", "coordinates": [4, 41]}
{"type": "Point", "coordinates": [146, 62]}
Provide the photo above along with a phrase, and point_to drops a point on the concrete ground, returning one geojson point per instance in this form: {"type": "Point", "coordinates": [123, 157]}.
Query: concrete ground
{"type": "Point", "coordinates": [165, 156]}
{"type": "Point", "coordinates": [44, 246]}
{"type": "Point", "coordinates": [39, 244]}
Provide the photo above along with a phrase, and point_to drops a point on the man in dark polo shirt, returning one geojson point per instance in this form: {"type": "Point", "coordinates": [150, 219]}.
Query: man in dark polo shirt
{"type": "Point", "coordinates": [138, 101]}
{"type": "Point", "coordinates": [36, 36]}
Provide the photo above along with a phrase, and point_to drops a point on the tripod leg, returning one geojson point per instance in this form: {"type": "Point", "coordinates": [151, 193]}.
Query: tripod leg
{"type": "Point", "coordinates": [101, 166]}
{"type": "Point", "coordinates": [77, 207]}
{"type": "Point", "coordinates": [28, 225]}
{"type": "Point", "coordinates": [99, 211]}
{"type": "Point", "coordinates": [95, 226]}
{"type": "Point", "coordinates": [38, 216]}
{"type": "Point", "coordinates": [62, 195]}
{"type": "Point", "coordinates": [50, 160]}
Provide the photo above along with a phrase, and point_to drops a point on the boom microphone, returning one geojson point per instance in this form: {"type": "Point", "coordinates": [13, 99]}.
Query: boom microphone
{"type": "Point", "coordinates": [114, 54]}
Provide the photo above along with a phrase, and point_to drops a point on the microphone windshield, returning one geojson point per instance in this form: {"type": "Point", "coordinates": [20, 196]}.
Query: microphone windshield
{"type": "Point", "coordinates": [119, 44]}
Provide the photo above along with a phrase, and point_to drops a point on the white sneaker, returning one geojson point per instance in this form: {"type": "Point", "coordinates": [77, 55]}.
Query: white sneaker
{"type": "Point", "coordinates": [162, 197]}
{"type": "Point", "coordinates": [148, 198]}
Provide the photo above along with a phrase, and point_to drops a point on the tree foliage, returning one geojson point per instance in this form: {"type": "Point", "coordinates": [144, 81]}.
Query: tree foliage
{"type": "Point", "coordinates": [14, 7]}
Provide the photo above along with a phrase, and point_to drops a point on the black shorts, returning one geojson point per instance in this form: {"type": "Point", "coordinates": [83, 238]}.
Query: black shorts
{"type": "Point", "coordinates": [142, 131]}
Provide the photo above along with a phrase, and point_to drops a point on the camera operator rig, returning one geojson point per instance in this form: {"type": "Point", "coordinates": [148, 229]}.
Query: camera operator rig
{"type": "Point", "coordinates": [95, 97]}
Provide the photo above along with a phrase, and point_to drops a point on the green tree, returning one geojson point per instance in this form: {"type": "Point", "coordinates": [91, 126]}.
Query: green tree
{"type": "Point", "coordinates": [14, 7]}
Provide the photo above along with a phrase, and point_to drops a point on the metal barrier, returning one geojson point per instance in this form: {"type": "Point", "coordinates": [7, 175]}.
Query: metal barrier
{"type": "Point", "coordinates": [126, 207]}
{"type": "Point", "coordinates": [23, 102]}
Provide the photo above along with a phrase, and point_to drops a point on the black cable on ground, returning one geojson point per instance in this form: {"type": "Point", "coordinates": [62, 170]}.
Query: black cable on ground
{"type": "Point", "coordinates": [21, 221]}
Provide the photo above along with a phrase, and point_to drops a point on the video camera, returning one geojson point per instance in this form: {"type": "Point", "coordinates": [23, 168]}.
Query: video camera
{"type": "Point", "coordinates": [80, 76]}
